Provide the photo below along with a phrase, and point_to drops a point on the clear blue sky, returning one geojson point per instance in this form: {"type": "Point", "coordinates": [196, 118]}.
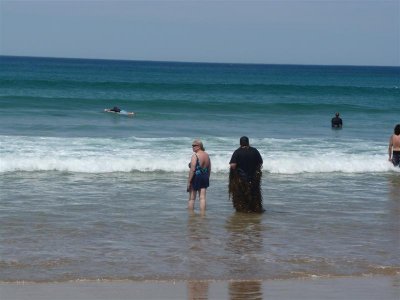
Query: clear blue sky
{"type": "Point", "coordinates": [341, 32]}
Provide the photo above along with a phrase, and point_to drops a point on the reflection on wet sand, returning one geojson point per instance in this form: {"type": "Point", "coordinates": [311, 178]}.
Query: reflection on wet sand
{"type": "Point", "coordinates": [245, 290]}
{"type": "Point", "coordinates": [245, 242]}
{"type": "Point", "coordinates": [198, 238]}
{"type": "Point", "coordinates": [197, 290]}
{"type": "Point", "coordinates": [394, 187]}
{"type": "Point", "coordinates": [394, 204]}
{"type": "Point", "coordinates": [394, 209]}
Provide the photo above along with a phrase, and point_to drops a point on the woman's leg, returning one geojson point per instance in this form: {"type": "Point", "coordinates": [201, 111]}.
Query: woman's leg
{"type": "Point", "coordinates": [203, 200]}
{"type": "Point", "coordinates": [192, 198]}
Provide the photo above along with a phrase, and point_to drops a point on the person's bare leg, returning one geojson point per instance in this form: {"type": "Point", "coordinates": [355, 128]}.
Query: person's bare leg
{"type": "Point", "coordinates": [192, 198]}
{"type": "Point", "coordinates": [203, 200]}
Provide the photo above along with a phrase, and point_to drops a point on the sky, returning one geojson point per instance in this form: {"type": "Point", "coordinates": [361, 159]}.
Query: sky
{"type": "Point", "coordinates": [318, 32]}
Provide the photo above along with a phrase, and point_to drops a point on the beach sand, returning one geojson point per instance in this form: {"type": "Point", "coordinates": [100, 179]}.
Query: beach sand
{"type": "Point", "coordinates": [365, 288]}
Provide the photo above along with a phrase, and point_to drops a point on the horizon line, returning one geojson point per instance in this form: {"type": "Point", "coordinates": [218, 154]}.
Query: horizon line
{"type": "Point", "coordinates": [197, 62]}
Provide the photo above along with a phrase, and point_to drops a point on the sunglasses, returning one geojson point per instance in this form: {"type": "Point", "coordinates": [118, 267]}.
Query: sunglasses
{"type": "Point", "coordinates": [194, 145]}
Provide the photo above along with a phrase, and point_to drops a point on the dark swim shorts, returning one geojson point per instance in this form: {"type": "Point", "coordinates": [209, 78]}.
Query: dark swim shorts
{"type": "Point", "coordinates": [396, 158]}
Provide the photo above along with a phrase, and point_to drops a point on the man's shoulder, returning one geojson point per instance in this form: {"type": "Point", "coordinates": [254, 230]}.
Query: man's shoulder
{"type": "Point", "coordinates": [253, 149]}
{"type": "Point", "coordinates": [240, 152]}
{"type": "Point", "coordinates": [237, 150]}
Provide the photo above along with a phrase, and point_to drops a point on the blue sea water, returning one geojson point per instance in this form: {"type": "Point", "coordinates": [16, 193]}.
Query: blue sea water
{"type": "Point", "coordinates": [88, 195]}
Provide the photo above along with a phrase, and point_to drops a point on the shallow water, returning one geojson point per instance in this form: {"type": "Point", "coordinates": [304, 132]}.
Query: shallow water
{"type": "Point", "coordinates": [90, 195]}
{"type": "Point", "coordinates": [57, 227]}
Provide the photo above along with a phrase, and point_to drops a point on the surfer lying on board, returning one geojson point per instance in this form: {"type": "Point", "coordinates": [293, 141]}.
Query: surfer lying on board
{"type": "Point", "coordinates": [117, 110]}
{"type": "Point", "coordinates": [394, 146]}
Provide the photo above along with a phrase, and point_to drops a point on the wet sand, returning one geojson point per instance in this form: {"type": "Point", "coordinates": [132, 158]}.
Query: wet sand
{"type": "Point", "coordinates": [365, 288]}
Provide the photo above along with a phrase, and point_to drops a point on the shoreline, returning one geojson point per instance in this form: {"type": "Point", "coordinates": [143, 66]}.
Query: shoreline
{"type": "Point", "coordinates": [369, 287]}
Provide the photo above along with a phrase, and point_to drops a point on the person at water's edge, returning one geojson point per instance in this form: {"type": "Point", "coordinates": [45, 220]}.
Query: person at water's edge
{"type": "Point", "coordinates": [245, 178]}
{"type": "Point", "coordinates": [394, 146]}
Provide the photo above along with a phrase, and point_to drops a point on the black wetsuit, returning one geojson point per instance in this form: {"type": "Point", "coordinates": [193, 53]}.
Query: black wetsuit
{"type": "Point", "coordinates": [337, 122]}
{"type": "Point", "coordinates": [115, 109]}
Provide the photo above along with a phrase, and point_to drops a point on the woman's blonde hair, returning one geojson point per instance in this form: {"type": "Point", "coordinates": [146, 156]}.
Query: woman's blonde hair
{"type": "Point", "coordinates": [200, 143]}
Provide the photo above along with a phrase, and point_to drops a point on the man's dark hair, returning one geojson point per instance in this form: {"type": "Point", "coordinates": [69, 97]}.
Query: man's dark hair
{"type": "Point", "coordinates": [397, 129]}
{"type": "Point", "coordinates": [244, 141]}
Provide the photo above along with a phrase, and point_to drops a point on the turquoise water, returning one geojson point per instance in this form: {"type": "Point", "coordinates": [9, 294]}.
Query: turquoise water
{"type": "Point", "coordinates": [88, 195]}
{"type": "Point", "coordinates": [66, 97]}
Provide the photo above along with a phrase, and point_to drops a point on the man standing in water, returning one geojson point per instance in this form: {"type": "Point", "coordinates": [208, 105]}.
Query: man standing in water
{"type": "Point", "coordinates": [245, 178]}
{"type": "Point", "coordinates": [394, 146]}
{"type": "Point", "coordinates": [337, 121]}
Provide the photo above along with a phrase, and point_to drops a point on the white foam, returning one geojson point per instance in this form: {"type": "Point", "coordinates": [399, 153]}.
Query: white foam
{"type": "Point", "coordinates": [100, 155]}
{"type": "Point", "coordinates": [355, 163]}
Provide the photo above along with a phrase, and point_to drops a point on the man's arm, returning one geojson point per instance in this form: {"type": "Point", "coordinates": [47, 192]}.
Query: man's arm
{"type": "Point", "coordinates": [260, 160]}
{"type": "Point", "coordinates": [233, 161]}
{"type": "Point", "coordinates": [390, 148]}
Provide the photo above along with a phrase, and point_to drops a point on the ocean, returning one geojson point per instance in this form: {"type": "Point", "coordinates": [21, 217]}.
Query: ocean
{"type": "Point", "coordinates": [89, 195]}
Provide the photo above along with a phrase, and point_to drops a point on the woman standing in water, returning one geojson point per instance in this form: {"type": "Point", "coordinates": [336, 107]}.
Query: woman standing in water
{"type": "Point", "coordinates": [199, 175]}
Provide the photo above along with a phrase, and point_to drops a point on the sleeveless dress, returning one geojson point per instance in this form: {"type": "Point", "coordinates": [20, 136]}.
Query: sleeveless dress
{"type": "Point", "coordinates": [200, 179]}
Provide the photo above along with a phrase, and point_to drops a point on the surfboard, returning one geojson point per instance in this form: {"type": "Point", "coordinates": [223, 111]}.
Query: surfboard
{"type": "Point", "coordinates": [122, 112]}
